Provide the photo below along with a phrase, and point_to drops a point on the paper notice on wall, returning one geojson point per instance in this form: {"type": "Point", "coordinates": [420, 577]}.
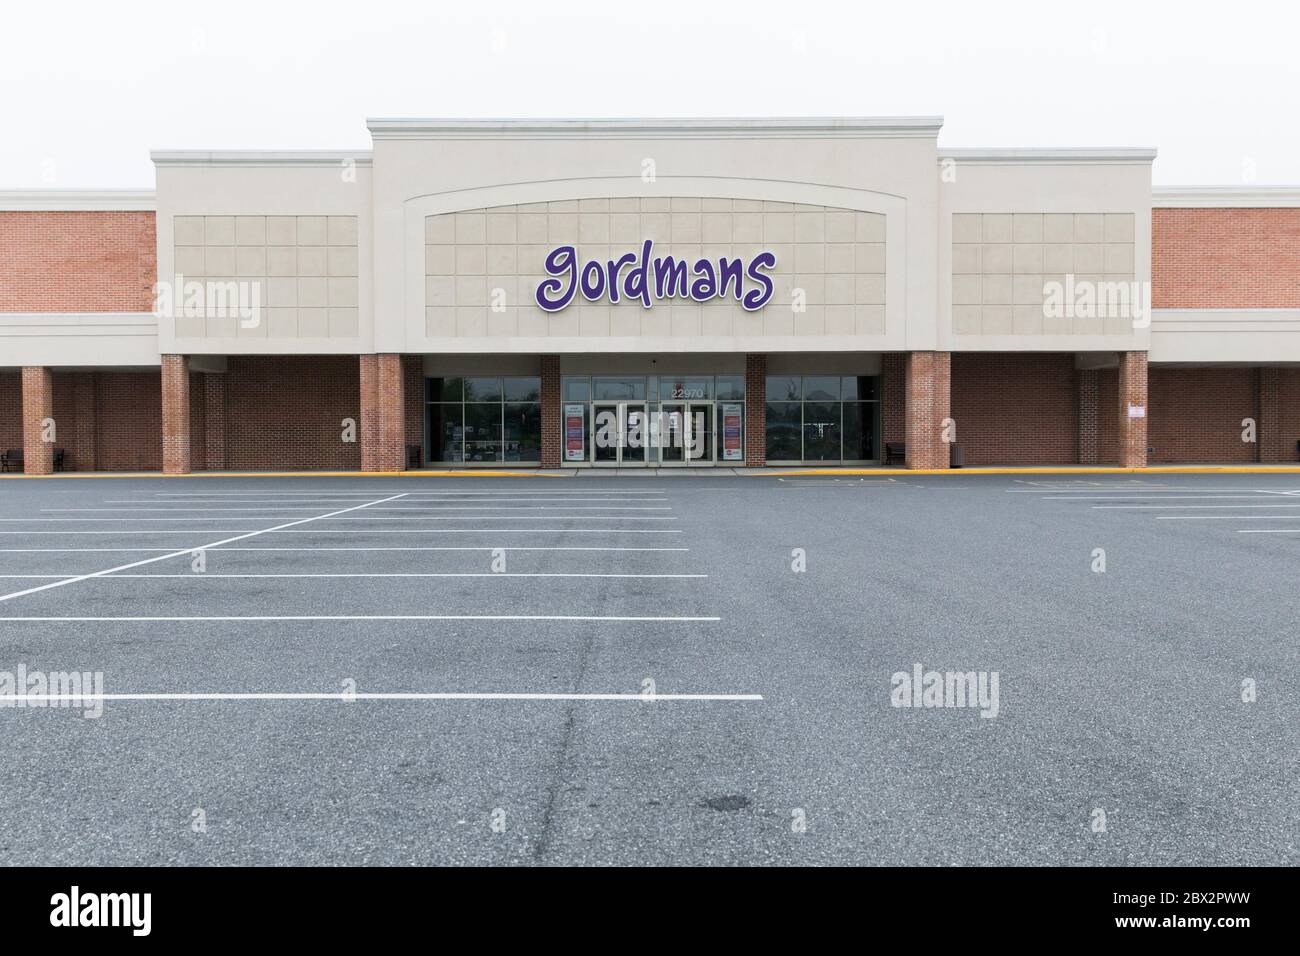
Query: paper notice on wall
{"type": "Point", "coordinates": [732, 447]}
{"type": "Point", "coordinates": [1137, 411]}
{"type": "Point", "coordinates": [575, 433]}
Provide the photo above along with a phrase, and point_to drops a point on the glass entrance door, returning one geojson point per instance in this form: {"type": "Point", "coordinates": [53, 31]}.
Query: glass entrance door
{"type": "Point", "coordinates": [619, 433]}
{"type": "Point", "coordinates": [699, 433]}
{"type": "Point", "coordinates": [672, 433]}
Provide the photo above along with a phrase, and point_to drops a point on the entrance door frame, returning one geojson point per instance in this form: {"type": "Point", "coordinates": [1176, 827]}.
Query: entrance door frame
{"type": "Point", "coordinates": [621, 410]}
{"type": "Point", "coordinates": [709, 458]}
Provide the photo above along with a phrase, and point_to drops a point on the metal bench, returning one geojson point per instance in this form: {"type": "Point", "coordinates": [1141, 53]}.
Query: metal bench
{"type": "Point", "coordinates": [13, 458]}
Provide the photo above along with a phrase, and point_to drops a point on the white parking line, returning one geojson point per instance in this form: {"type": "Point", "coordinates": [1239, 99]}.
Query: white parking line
{"type": "Point", "coordinates": [164, 557]}
{"type": "Point", "coordinates": [244, 532]}
{"type": "Point", "coordinates": [1129, 489]}
{"type": "Point", "coordinates": [310, 493]}
{"type": "Point", "coordinates": [1151, 497]}
{"type": "Point", "coordinates": [348, 697]}
{"type": "Point", "coordinates": [492, 506]}
{"type": "Point", "coordinates": [1227, 517]}
{"type": "Point", "coordinates": [1268, 531]}
{"type": "Point", "coordinates": [371, 574]}
{"type": "Point", "coordinates": [312, 550]}
{"type": "Point", "coordinates": [355, 617]}
{"type": "Point", "coordinates": [482, 517]}
{"type": "Point", "coordinates": [293, 504]}
{"type": "Point", "coordinates": [1183, 507]}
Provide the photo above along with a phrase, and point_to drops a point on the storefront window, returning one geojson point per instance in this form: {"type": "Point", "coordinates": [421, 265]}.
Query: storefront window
{"type": "Point", "coordinates": [784, 420]}
{"type": "Point", "coordinates": [821, 431]}
{"type": "Point", "coordinates": [822, 418]}
{"type": "Point", "coordinates": [863, 388]}
{"type": "Point", "coordinates": [576, 388]}
{"type": "Point", "coordinates": [860, 431]}
{"type": "Point", "coordinates": [784, 388]}
{"type": "Point", "coordinates": [484, 419]}
{"type": "Point", "coordinates": [731, 388]}
{"type": "Point", "coordinates": [446, 432]}
{"type": "Point", "coordinates": [523, 431]}
{"type": "Point", "coordinates": [693, 388]}
{"type": "Point", "coordinates": [482, 389]}
{"type": "Point", "coordinates": [618, 389]}
{"type": "Point", "coordinates": [821, 388]}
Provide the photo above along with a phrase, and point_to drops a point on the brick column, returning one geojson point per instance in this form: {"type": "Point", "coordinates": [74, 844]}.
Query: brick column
{"type": "Point", "coordinates": [1088, 384]}
{"type": "Point", "coordinates": [928, 403]}
{"type": "Point", "coordinates": [552, 413]}
{"type": "Point", "coordinates": [214, 424]}
{"type": "Point", "coordinates": [1132, 395]}
{"type": "Point", "coordinates": [38, 413]}
{"type": "Point", "coordinates": [383, 413]}
{"type": "Point", "coordinates": [755, 410]}
{"type": "Point", "coordinates": [176, 415]}
{"type": "Point", "coordinates": [1268, 415]}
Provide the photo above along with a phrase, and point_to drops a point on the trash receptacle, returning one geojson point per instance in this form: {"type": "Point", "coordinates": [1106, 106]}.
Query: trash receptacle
{"type": "Point", "coordinates": [955, 457]}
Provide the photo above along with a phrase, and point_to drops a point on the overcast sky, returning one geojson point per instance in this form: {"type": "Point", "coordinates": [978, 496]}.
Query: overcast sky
{"type": "Point", "coordinates": [90, 88]}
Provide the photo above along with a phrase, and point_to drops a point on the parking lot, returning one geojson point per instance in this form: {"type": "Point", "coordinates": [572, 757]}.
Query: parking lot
{"type": "Point", "coordinates": [635, 670]}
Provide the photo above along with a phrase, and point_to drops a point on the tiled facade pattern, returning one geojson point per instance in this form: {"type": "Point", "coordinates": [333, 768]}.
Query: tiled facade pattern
{"type": "Point", "coordinates": [482, 267]}
{"type": "Point", "coordinates": [1002, 262]}
{"type": "Point", "coordinates": [305, 268]}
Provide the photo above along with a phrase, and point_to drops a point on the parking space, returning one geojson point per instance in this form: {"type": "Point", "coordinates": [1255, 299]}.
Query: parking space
{"type": "Point", "coordinates": [540, 669]}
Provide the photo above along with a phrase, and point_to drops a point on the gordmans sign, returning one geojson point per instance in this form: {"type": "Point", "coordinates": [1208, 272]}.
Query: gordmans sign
{"type": "Point", "coordinates": [647, 278]}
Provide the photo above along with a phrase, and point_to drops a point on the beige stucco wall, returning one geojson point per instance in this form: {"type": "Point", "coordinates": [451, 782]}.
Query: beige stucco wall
{"type": "Point", "coordinates": [482, 268]}
{"type": "Point", "coordinates": [887, 176]}
{"type": "Point", "coordinates": [1002, 262]}
{"type": "Point", "coordinates": [1010, 220]}
{"type": "Point", "coordinates": [304, 270]}
{"type": "Point", "coordinates": [297, 224]}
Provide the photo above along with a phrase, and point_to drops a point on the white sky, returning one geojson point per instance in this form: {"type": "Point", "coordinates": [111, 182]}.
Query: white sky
{"type": "Point", "coordinates": [87, 89]}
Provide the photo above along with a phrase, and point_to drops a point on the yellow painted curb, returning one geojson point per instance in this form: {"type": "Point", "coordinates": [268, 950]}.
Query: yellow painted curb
{"type": "Point", "coordinates": [801, 473]}
{"type": "Point", "coordinates": [1081, 470]}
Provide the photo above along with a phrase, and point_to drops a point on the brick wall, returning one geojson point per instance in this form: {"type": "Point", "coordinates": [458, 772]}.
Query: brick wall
{"type": "Point", "coordinates": [755, 410]}
{"type": "Point", "coordinates": [176, 414]}
{"type": "Point", "coordinates": [11, 409]}
{"type": "Point", "coordinates": [928, 404]}
{"type": "Point", "coordinates": [552, 452]}
{"type": "Point", "coordinates": [1015, 408]}
{"type": "Point", "coordinates": [383, 412]}
{"type": "Point", "coordinates": [1089, 414]}
{"type": "Point", "coordinates": [287, 412]}
{"type": "Point", "coordinates": [1225, 258]}
{"type": "Point", "coordinates": [413, 393]}
{"type": "Point", "coordinates": [893, 398]}
{"type": "Point", "coordinates": [128, 436]}
{"type": "Point", "coordinates": [214, 421]}
{"type": "Point", "coordinates": [198, 421]}
{"type": "Point", "coordinates": [77, 261]}
{"type": "Point", "coordinates": [1288, 430]}
{"type": "Point", "coordinates": [1133, 392]}
{"type": "Point", "coordinates": [38, 411]}
{"type": "Point", "coordinates": [1196, 413]}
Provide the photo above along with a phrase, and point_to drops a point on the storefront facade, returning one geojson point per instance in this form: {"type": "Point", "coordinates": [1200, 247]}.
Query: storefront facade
{"type": "Point", "coordinates": [637, 294]}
